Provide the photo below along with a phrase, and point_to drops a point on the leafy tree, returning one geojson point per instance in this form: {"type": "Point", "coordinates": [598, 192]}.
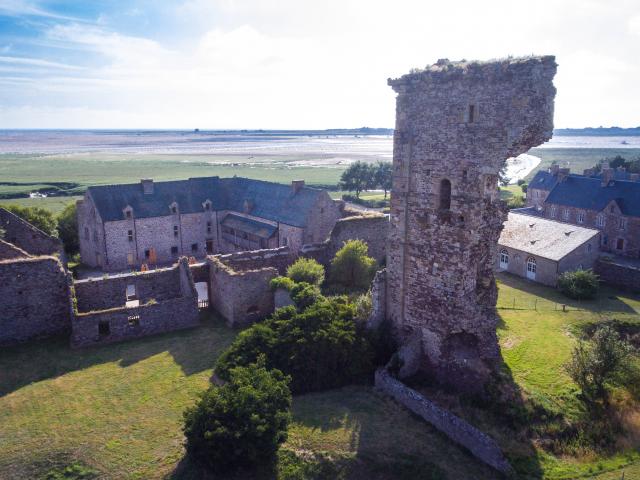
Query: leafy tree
{"type": "Point", "coordinates": [383, 176]}
{"type": "Point", "coordinates": [358, 177]}
{"type": "Point", "coordinates": [306, 270]}
{"type": "Point", "coordinates": [68, 229]}
{"type": "Point", "coordinates": [352, 267]}
{"type": "Point", "coordinates": [304, 294]}
{"type": "Point", "coordinates": [320, 347]}
{"type": "Point", "coordinates": [579, 284]}
{"type": "Point", "coordinates": [599, 365]}
{"type": "Point", "coordinates": [524, 187]}
{"type": "Point", "coordinates": [243, 422]}
{"type": "Point", "coordinates": [36, 216]}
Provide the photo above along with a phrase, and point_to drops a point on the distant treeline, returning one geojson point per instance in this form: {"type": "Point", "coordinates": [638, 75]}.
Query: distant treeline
{"type": "Point", "coordinates": [597, 132]}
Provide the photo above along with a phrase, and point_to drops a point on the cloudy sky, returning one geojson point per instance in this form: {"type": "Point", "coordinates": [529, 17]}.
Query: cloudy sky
{"type": "Point", "coordinates": [294, 63]}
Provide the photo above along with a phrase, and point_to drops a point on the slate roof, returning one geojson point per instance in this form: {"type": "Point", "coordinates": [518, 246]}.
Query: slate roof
{"type": "Point", "coordinates": [272, 201]}
{"type": "Point", "coordinates": [249, 225]}
{"type": "Point", "coordinates": [543, 238]}
{"type": "Point", "coordinates": [588, 193]}
{"type": "Point", "coordinates": [543, 180]}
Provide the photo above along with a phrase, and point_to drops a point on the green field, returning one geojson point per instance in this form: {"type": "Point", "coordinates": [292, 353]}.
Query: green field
{"type": "Point", "coordinates": [117, 409]}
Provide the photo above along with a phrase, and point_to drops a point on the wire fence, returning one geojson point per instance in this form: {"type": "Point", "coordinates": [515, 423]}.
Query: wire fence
{"type": "Point", "coordinates": [544, 305]}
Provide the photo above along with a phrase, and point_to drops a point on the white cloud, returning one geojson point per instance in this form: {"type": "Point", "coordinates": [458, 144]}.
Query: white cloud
{"type": "Point", "coordinates": [19, 8]}
{"type": "Point", "coordinates": [38, 63]}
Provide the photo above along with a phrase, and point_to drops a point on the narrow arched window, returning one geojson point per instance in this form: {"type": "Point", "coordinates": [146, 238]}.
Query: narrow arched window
{"type": "Point", "coordinates": [445, 194]}
{"type": "Point", "coordinates": [504, 259]}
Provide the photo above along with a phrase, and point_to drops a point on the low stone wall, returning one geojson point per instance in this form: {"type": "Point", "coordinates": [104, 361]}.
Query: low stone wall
{"type": "Point", "coordinates": [278, 258]}
{"type": "Point", "coordinates": [114, 325]}
{"type": "Point", "coordinates": [27, 237]}
{"type": "Point", "coordinates": [622, 274]}
{"type": "Point", "coordinates": [34, 299]}
{"type": "Point", "coordinates": [478, 443]}
{"type": "Point", "coordinates": [9, 251]}
{"type": "Point", "coordinates": [241, 297]}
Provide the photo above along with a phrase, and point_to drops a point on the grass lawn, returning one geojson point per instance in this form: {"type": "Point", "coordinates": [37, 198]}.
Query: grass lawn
{"type": "Point", "coordinates": [53, 204]}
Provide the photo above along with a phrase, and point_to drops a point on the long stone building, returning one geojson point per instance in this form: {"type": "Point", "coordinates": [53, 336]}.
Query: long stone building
{"type": "Point", "coordinates": [608, 201]}
{"type": "Point", "coordinates": [124, 226]}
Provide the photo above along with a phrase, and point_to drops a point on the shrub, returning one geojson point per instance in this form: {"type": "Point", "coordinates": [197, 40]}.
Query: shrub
{"type": "Point", "coordinates": [67, 227]}
{"type": "Point", "coordinates": [304, 295]}
{"type": "Point", "coordinates": [352, 267]}
{"type": "Point", "coordinates": [306, 270]}
{"type": "Point", "coordinates": [36, 216]}
{"type": "Point", "coordinates": [320, 347]}
{"type": "Point", "coordinates": [364, 306]}
{"type": "Point", "coordinates": [521, 181]}
{"type": "Point", "coordinates": [282, 282]}
{"type": "Point", "coordinates": [242, 423]}
{"type": "Point", "coordinates": [524, 187]}
{"type": "Point", "coordinates": [579, 284]}
{"type": "Point", "coordinates": [515, 202]}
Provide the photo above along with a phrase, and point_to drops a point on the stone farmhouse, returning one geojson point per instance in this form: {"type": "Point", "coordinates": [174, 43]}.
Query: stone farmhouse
{"type": "Point", "coordinates": [609, 202]}
{"type": "Point", "coordinates": [540, 249]}
{"type": "Point", "coordinates": [125, 226]}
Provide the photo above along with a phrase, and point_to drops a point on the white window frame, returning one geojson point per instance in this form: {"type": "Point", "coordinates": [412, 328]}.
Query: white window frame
{"type": "Point", "coordinates": [580, 217]}
{"type": "Point", "coordinates": [504, 258]}
{"type": "Point", "coordinates": [600, 220]}
{"type": "Point", "coordinates": [565, 214]}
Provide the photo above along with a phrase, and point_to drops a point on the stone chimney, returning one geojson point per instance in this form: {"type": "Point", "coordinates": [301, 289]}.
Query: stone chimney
{"type": "Point", "coordinates": [296, 185]}
{"type": "Point", "coordinates": [553, 169]}
{"type": "Point", "coordinates": [634, 177]}
{"type": "Point", "coordinates": [588, 172]}
{"type": "Point", "coordinates": [147, 186]}
{"type": "Point", "coordinates": [607, 176]}
{"type": "Point", "coordinates": [563, 173]}
{"type": "Point", "coordinates": [247, 207]}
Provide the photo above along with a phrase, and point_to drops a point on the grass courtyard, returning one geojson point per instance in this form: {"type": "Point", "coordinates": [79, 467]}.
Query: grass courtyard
{"type": "Point", "coordinates": [117, 410]}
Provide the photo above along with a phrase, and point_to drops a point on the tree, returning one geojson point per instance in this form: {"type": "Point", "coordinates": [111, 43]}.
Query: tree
{"type": "Point", "coordinates": [599, 365]}
{"type": "Point", "coordinates": [306, 270]}
{"type": "Point", "coordinates": [358, 177]}
{"type": "Point", "coordinates": [383, 176]}
{"type": "Point", "coordinates": [36, 216]}
{"type": "Point", "coordinates": [524, 187]}
{"type": "Point", "coordinates": [579, 284]}
{"type": "Point", "coordinates": [68, 229]}
{"type": "Point", "coordinates": [352, 267]}
{"type": "Point", "coordinates": [243, 422]}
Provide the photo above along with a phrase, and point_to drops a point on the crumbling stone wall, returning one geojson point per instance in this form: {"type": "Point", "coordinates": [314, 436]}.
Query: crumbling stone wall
{"type": "Point", "coordinates": [619, 273]}
{"type": "Point", "coordinates": [34, 299]}
{"type": "Point", "coordinates": [241, 297]}
{"type": "Point", "coordinates": [478, 443]}
{"type": "Point", "coordinates": [278, 258]}
{"type": "Point", "coordinates": [456, 124]}
{"type": "Point", "coordinates": [27, 237]}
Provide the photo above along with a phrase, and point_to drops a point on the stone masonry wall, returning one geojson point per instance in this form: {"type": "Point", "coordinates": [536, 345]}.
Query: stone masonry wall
{"type": "Point", "coordinates": [242, 297]}
{"type": "Point", "coordinates": [10, 251]}
{"type": "Point", "coordinates": [34, 299]}
{"type": "Point", "coordinates": [619, 274]}
{"type": "Point", "coordinates": [478, 443]}
{"type": "Point", "coordinates": [278, 258]}
{"type": "Point", "coordinates": [456, 124]}
{"type": "Point", "coordinates": [27, 237]}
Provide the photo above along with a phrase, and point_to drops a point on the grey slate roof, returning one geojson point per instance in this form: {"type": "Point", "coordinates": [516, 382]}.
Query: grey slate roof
{"type": "Point", "coordinates": [543, 180]}
{"type": "Point", "coordinates": [543, 238]}
{"type": "Point", "coordinates": [272, 201]}
{"type": "Point", "coordinates": [249, 225]}
{"type": "Point", "coordinates": [588, 193]}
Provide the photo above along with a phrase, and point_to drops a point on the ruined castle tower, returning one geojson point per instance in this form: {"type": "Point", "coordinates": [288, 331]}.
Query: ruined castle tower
{"type": "Point", "coordinates": [456, 124]}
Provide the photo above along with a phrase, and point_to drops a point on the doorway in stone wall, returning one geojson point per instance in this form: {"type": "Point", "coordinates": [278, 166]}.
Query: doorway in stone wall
{"type": "Point", "coordinates": [203, 294]}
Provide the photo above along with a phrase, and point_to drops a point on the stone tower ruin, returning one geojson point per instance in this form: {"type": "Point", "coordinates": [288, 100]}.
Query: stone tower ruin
{"type": "Point", "coordinates": [456, 124]}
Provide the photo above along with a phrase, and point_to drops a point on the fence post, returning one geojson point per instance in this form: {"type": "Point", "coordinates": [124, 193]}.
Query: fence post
{"type": "Point", "coordinates": [514, 303]}
{"type": "Point", "coordinates": [535, 306]}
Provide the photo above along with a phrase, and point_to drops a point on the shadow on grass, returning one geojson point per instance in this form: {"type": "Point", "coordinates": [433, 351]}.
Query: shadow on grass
{"type": "Point", "coordinates": [606, 301]}
{"type": "Point", "coordinates": [194, 350]}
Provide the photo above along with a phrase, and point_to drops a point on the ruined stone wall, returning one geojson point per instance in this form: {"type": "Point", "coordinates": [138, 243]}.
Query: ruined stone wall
{"type": "Point", "coordinates": [242, 297]}
{"type": "Point", "coordinates": [9, 251]}
{"type": "Point", "coordinates": [478, 443]}
{"type": "Point", "coordinates": [619, 274]}
{"type": "Point", "coordinates": [456, 124]}
{"type": "Point", "coordinates": [278, 258]}
{"type": "Point", "coordinates": [111, 292]}
{"type": "Point", "coordinates": [34, 299]}
{"type": "Point", "coordinates": [90, 233]}
{"type": "Point", "coordinates": [27, 237]}
{"type": "Point", "coordinates": [378, 300]}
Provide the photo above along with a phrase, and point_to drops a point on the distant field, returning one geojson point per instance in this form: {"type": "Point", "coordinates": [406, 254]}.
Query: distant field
{"type": "Point", "coordinates": [54, 204]}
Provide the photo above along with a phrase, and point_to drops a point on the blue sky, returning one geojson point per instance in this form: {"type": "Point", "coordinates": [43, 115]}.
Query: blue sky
{"type": "Point", "coordinates": [294, 63]}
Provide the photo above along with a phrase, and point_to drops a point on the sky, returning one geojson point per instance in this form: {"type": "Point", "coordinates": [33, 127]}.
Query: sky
{"type": "Point", "coordinates": [294, 64]}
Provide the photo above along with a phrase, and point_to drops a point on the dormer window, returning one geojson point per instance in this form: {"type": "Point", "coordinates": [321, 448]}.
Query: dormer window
{"type": "Point", "coordinates": [128, 212]}
{"type": "Point", "coordinates": [207, 205]}
{"type": "Point", "coordinates": [174, 208]}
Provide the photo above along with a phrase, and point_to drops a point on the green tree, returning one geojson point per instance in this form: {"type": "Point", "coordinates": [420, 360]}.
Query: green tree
{"type": "Point", "coordinates": [243, 422]}
{"type": "Point", "coordinates": [352, 266]}
{"type": "Point", "coordinates": [579, 284]}
{"type": "Point", "coordinates": [358, 177]}
{"type": "Point", "coordinates": [36, 216]}
{"type": "Point", "coordinates": [599, 365]}
{"type": "Point", "coordinates": [306, 270]}
{"type": "Point", "coordinates": [524, 187]}
{"type": "Point", "coordinates": [68, 229]}
{"type": "Point", "coordinates": [383, 177]}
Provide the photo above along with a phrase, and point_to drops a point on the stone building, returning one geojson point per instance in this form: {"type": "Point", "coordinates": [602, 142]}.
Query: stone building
{"type": "Point", "coordinates": [609, 202]}
{"type": "Point", "coordinates": [123, 226]}
{"type": "Point", "coordinates": [456, 124]}
{"type": "Point", "coordinates": [540, 249]}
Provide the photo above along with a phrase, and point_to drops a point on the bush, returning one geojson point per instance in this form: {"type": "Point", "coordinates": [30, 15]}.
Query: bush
{"type": "Point", "coordinates": [67, 226]}
{"type": "Point", "coordinates": [242, 423]}
{"type": "Point", "coordinates": [515, 202]}
{"type": "Point", "coordinates": [306, 270]}
{"type": "Point", "coordinates": [352, 267]}
{"type": "Point", "coordinates": [579, 284]}
{"type": "Point", "coordinates": [320, 347]}
{"type": "Point", "coordinates": [282, 282]}
{"type": "Point", "coordinates": [36, 216]}
{"type": "Point", "coordinates": [304, 295]}
{"type": "Point", "coordinates": [524, 187]}
{"type": "Point", "coordinates": [521, 182]}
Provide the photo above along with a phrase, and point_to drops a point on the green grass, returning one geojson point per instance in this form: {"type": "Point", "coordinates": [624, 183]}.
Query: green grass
{"type": "Point", "coordinates": [53, 204]}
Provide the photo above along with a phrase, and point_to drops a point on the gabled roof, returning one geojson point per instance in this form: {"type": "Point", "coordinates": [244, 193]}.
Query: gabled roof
{"type": "Point", "coordinates": [589, 194]}
{"type": "Point", "coordinates": [543, 180]}
{"type": "Point", "coordinates": [543, 238]}
{"type": "Point", "coordinates": [272, 201]}
{"type": "Point", "coordinates": [249, 225]}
